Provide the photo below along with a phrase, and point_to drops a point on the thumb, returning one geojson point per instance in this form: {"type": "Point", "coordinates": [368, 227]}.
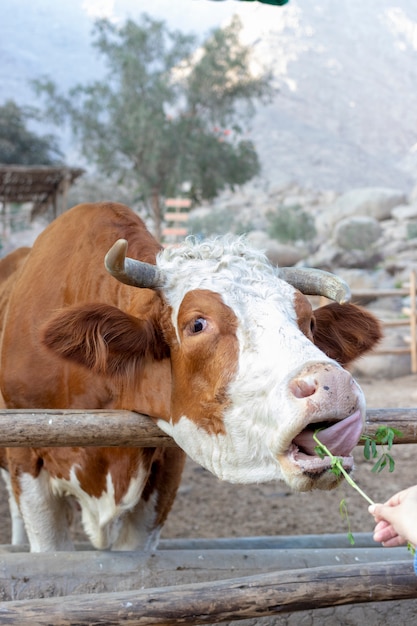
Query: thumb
{"type": "Point", "coordinates": [382, 512]}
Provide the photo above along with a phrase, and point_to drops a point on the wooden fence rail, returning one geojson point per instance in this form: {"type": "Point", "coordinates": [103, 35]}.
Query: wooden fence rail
{"type": "Point", "coordinates": [410, 320]}
{"type": "Point", "coordinates": [298, 574]}
{"type": "Point", "coordinates": [236, 599]}
{"type": "Point", "coordinates": [35, 428]}
{"type": "Point", "coordinates": [24, 576]}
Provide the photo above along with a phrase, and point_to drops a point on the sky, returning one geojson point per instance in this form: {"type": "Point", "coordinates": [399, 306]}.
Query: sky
{"type": "Point", "coordinates": [38, 38]}
{"type": "Point", "coordinates": [198, 15]}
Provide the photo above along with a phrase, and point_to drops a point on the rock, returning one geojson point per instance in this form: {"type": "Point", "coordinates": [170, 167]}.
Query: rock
{"type": "Point", "coordinates": [284, 255]}
{"type": "Point", "coordinates": [405, 212]}
{"type": "Point", "coordinates": [386, 365]}
{"type": "Point", "coordinates": [291, 201]}
{"type": "Point", "coordinates": [357, 233]}
{"type": "Point", "coordinates": [364, 259]}
{"type": "Point", "coordinates": [330, 256]}
{"type": "Point", "coordinates": [383, 366]}
{"type": "Point", "coordinates": [364, 279]}
{"type": "Point", "coordinates": [413, 195]}
{"type": "Point", "coordinates": [376, 202]}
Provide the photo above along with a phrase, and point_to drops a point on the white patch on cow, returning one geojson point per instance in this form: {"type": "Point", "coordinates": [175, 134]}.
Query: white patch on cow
{"type": "Point", "coordinates": [19, 536]}
{"type": "Point", "coordinates": [45, 515]}
{"type": "Point", "coordinates": [109, 524]}
{"type": "Point", "coordinates": [138, 531]}
{"type": "Point", "coordinates": [263, 415]}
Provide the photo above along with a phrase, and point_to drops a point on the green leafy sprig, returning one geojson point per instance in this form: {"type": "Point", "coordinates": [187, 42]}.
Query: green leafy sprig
{"type": "Point", "coordinates": [384, 436]}
{"type": "Point", "coordinates": [337, 466]}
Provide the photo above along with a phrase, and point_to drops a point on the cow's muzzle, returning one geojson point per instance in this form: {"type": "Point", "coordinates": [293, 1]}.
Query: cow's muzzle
{"type": "Point", "coordinates": [330, 404]}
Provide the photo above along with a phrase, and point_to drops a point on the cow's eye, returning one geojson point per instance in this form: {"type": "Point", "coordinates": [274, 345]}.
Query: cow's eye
{"type": "Point", "coordinates": [198, 325]}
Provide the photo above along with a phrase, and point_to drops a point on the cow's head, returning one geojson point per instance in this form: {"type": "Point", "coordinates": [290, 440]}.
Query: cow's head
{"type": "Point", "coordinates": [254, 371]}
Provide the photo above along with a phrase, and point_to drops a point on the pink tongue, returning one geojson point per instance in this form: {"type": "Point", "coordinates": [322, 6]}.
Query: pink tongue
{"type": "Point", "coordinates": [340, 438]}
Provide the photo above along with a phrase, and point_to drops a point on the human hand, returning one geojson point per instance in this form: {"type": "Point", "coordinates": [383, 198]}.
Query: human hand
{"type": "Point", "coordinates": [396, 519]}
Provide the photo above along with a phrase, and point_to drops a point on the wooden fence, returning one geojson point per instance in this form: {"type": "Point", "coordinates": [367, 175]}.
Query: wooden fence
{"type": "Point", "coordinates": [176, 219]}
{"type": "Point", "coordinates": [409, 320]}
{"type": "Point", "coordinates": [19, 427]}
{"type": "Point", "coordinates": [188, 581]}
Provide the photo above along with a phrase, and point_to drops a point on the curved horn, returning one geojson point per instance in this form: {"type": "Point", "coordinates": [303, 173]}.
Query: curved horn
{"type": "Point", "coordinates": [314, 282]}
{"type": "Point", "coordinates": [130, 271]}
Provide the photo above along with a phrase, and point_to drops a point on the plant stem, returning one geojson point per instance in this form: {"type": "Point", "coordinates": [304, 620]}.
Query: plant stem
{"type": "Point", "coordinates": [336, 461]}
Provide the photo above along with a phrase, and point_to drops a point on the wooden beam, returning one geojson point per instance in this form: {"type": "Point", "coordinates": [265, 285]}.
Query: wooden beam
{"type": "Point", "coordinates": [177, 232]}
{"type": "Point", "coordinates": [232, 599]}
{"type": "Point", "coordinates": [413, 318]}
{"type": "Point", "coordinates": [26, 427]}
{"type": "Point", "coordinates": [178, 203]}
{"type": "Point", "coordinates": [379, 293]}
{"type": "Point", "coordinates": [40, 428]}
{"type": "Point", "coordinates": [177, 217]}
{"type": "Point", "coordinates": [24, 576]}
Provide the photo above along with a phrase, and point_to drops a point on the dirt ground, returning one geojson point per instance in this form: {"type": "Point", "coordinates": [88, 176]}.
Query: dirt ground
{"type": "Point", "coordinates": [206, 507]}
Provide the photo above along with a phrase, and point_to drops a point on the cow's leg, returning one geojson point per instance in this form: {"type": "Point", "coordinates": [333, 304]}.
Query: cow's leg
{"type": "Point", "coordinates": [19, 536]}
{"type": "Point", "coordinates": [45, 514]}
{"type": "Point", "coordinates": [140, 528]}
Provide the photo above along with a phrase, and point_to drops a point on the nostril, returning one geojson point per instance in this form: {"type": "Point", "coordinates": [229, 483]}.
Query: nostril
{"type": "Point", "coordinates": [302, 388]}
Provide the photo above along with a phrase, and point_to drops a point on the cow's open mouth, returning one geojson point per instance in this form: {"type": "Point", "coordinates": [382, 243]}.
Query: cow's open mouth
{"type": "Point", "coordinates": [340, 438]}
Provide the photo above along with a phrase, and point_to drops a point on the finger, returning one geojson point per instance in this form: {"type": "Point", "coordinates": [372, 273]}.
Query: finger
{"type": "Point", "coordinates": [381, 525]}
{"type": "Point", "coordinates": [395, 542]}
{"type": "Point", "coordinates": [385, 534]}
{"type": "Point", "coordinates": [385, 512]}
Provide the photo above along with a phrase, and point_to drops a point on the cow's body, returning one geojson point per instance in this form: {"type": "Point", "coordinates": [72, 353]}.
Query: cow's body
{"type": "Point", "coordinates": [222, 355]}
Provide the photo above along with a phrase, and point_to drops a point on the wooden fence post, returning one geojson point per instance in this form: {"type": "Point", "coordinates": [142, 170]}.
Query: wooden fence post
{"type": "Point", "coordinates": [413, 334]}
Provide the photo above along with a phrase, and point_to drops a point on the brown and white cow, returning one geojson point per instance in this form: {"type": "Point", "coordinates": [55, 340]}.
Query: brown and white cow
{"type": "Point", "coordinates": [212, 342]}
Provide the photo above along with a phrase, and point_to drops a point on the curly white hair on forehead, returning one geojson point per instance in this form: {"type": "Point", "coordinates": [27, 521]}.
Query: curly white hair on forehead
{"type": "Point", "coordinates": [219, 252]}
{"type": "Point", "coordinates": [225, 264]}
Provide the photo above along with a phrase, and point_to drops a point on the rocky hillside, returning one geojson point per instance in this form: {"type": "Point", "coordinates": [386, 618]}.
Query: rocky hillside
{"type": "Point", "coordinates": [345, 114]}
{"type": "Point", "coordinates": [366, 235]}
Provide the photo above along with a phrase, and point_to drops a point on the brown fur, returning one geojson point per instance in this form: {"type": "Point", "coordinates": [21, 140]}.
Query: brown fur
{"type": "Point", "coordinates": [110, 327]}
{"type": "Point", "coordinates": [12, 261]}
{"type": "Point", "coordinates": [106, 340]}
{"type": "Point", "coordinates": [202, 368]}
{"type": "Point", "coordinates": [345, 331]}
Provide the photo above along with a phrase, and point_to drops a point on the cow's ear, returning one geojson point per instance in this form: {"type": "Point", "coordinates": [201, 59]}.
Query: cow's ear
{"type": "Point", "coordinates": [345, 331]}
{"type": "Point", "coordinates": [104, 338]}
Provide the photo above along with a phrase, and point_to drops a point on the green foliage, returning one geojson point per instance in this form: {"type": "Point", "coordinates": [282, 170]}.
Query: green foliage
{"type": "Point", "coordinates": [337, 466]}
{"type": "Point", "coordinates": [20, 146]}
{"type": "Point", "coordinates": [290, 224]}
{"type": "Point", "coordinates": [412, 230]}
{"type": "Point", "coordinates": [384, 436]}
{"type": "Point", "coordinates": [167, 113]}
{"type": "Point", "coordinates": [343, 510]}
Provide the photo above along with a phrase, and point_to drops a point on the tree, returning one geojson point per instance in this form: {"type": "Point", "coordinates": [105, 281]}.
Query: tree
{"type": "Point", "coordinates": [168, 112]}
{"type": "Point", "coordinates": [20, 146]}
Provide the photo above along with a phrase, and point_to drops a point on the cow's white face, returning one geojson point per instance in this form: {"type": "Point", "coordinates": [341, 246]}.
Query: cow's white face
{"type": "Point", "coordinates": [238, 353]}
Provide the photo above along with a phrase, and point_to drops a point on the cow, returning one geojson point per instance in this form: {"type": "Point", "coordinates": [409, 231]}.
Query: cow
{"type": "Point", "coordinates": [219, 347]}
